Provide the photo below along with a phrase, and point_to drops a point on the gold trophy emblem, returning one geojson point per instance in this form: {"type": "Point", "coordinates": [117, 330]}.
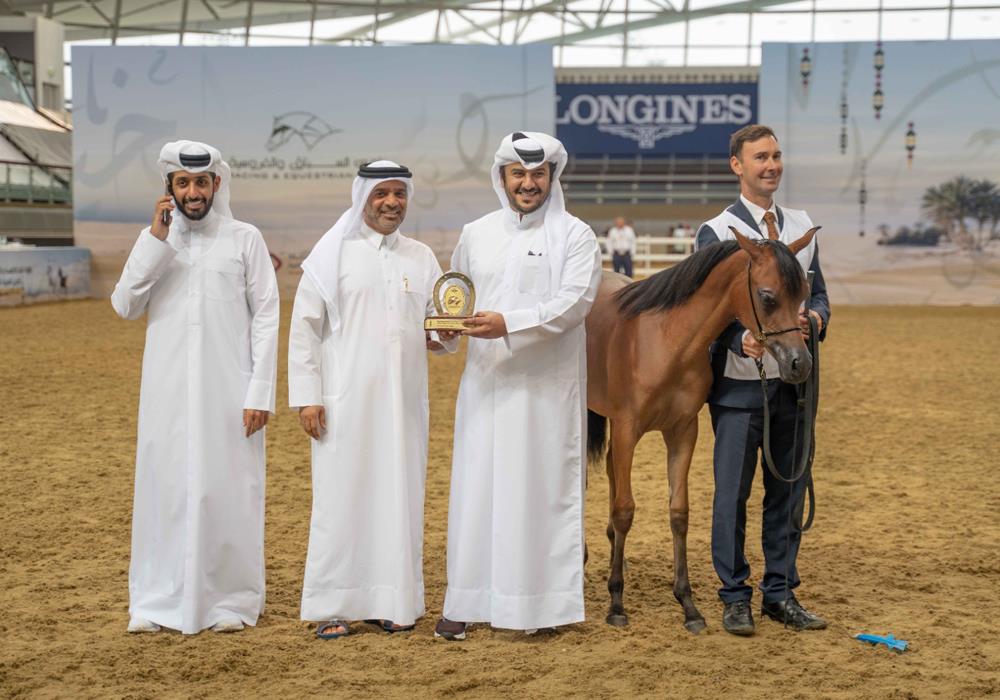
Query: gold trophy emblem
{"type": "Point", "coordinates": [454, 301]}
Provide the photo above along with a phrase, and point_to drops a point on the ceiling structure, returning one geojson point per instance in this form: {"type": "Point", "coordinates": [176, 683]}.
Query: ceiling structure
{"type": "Point", "coordinates": [586, 32]}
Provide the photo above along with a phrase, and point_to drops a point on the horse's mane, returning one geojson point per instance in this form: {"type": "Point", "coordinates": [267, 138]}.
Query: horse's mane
{"type": "Point", "coordinates": [672, 287]}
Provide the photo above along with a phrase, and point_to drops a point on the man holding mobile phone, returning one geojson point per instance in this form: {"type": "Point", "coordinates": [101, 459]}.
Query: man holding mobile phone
{"type": "Point", "coordinates": [207, 285]}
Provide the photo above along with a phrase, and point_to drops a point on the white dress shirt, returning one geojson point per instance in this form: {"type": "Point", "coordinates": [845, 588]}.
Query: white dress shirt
{"type": "Point", "coordinates": [758, 214]}
{"type": "Point", "coordinates": [621, 240]}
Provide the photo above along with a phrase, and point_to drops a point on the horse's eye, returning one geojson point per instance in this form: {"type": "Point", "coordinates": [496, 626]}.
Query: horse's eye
{"type": "Point", "coordinates": [767, 300]}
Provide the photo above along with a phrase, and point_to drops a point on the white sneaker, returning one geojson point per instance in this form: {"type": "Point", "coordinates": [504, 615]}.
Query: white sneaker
{"type": "Point", "coordinates": [233, 624]}
{"type": "Point", "coordinates": [138, 625]}
{"type": "Point", "coordinates": [531, 631]}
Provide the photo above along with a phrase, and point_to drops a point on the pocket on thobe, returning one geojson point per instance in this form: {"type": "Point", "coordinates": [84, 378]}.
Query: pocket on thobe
{"type": "Point", "coordinates": [534, 276]}
{"type": "Point", "coordinates": [224, 279]}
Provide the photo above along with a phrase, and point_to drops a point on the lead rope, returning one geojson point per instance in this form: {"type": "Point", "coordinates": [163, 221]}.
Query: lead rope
{"type": "Point", "coordinates": [807, 403]}
{"type": "Point", "coordinates": [808, 394]}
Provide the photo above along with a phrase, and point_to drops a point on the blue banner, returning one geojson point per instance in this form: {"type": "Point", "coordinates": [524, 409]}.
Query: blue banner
{"type": "Point", "coordinates": [652, 119]}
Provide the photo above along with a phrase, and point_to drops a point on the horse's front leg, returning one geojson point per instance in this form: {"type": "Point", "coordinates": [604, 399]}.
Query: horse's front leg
{"type": "Point", "coordinates": [680, 448]}
{"type": "Point", "coordinates": [622, 512]}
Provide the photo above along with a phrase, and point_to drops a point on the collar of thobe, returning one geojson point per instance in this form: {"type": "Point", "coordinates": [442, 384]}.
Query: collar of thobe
{"type": "Point", "coordinates": [203, 225]}
{"type": "Point", "coordinates": [322, 265]}
{"type": "Point", "coordinates": [378, 240]}
{"type": "Point", "coordinates": [526, 222]}
{"type": "Point", "coordinates": [197, 157]}
{"type": "Point", "coordinates": [533, 149]}
{"type": "Point", "coordinates": [758, 213]}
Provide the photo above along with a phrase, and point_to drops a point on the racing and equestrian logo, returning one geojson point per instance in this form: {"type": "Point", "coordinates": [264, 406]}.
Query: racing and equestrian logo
{"type": "Point", "coordinates": [307, 126]}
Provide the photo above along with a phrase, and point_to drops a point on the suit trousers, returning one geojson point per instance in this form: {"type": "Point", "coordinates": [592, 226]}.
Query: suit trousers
{"type": "Point", "coordinates": [622, 262]}
{"type": "Point", "coordinates": [738, 441]}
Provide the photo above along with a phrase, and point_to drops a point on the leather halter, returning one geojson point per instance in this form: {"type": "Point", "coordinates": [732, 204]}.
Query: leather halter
{"type": "Point", "coordinates": [761, 335]}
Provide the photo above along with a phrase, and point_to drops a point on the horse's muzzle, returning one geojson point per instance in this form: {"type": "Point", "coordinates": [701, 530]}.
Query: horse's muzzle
{"type": "Point", "coordinates": [794, 365]}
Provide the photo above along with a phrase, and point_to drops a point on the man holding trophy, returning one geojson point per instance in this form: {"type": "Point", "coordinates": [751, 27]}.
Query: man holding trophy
{"type": "Point", "coordinates": [515, 519]}
{"type": "Point", "coordinates": [357, 372]}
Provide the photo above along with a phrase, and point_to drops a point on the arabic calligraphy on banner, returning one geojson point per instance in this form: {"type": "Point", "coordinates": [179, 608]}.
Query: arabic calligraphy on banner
{"type": "Point", "coordinates": [652, 118]}
{"type": "Point", "coordinates": [300, 168]}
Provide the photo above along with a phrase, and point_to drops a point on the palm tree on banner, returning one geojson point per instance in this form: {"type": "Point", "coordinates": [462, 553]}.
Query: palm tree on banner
{"type": "Point", "coordinates": [949, 205]}
{"type": "Point", "coordinates": [984, 197]}
{"type": "Point", "coordinates": [954, 203]}
{"type": "Point", "coordinates": [994, 210]}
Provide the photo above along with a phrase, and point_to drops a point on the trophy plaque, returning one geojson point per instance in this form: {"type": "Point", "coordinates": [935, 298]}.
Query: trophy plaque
{"type": "Point", "coordinates": [454, 300]}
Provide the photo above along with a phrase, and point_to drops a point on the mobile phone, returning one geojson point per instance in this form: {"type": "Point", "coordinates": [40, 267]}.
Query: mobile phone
{"type": "Point", "coordinates": [165, 215]}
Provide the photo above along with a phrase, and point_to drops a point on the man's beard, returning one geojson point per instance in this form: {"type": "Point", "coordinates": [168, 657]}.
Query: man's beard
{"type": "Point", "coordinates": [196, 216]}
{"type": "Point", "coordinates": [512, 197]}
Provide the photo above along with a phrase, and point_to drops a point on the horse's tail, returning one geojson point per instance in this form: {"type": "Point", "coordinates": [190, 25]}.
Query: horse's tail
{"type": "Point", "coordinates": [597, 436]}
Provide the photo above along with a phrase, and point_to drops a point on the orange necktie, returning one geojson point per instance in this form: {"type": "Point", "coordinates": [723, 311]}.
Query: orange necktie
{"type": "Point", "coordinates": [772, 230]}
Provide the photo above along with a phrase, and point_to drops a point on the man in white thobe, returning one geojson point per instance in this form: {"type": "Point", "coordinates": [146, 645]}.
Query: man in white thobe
{"type": "Point", "coordinates": [515, 518]}
{"type": "Point", "coordinates": [357, 372]}
{"type": "Point", "coordinates": [207, 286]}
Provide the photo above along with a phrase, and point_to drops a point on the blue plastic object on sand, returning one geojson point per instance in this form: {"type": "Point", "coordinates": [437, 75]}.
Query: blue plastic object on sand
{"type": "Point", "coordinates": [890, 641]}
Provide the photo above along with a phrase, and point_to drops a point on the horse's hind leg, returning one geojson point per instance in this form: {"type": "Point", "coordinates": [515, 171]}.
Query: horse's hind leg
{"type": "Point", "coordinates": [622, 512]}
{"type": "Point", "coordinates": [680, 448]}
{"type": "Point", "coordinates": [611, 502]}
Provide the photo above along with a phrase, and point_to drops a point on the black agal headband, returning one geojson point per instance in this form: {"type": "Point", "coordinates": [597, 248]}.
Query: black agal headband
{"type": "Point", "coordinates": [367, 170]}
{"type": "Point", "coordinates": [530, 152]}
{"type": "Point", "coordinates": [195, 160]}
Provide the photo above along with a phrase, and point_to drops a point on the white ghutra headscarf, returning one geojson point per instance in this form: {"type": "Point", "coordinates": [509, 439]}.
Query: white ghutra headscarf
{"type": "Point", "coordinates": [322, 265]}
{"type": "Point", "coordinates": [531, 149]}
{"type": "Point", "coordinates": [197, 157]}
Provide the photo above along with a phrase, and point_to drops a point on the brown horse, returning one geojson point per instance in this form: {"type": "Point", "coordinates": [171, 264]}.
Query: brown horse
{"type": "Point", "coordinates": [648, 369]}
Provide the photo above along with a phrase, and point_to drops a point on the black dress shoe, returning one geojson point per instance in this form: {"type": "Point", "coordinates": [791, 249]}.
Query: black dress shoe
{"type": "Point", "coordinates": [737, 618]}
{"type": "Point", "coordinates": [792, 614]}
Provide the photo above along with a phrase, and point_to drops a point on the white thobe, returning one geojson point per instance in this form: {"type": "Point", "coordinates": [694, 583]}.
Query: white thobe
{"type": "Point", "coordinates": [211, 299]}
{"type": "Point", "coordinates": [515, 519]}
{"type": "Point", "coordinates": [365, 557]}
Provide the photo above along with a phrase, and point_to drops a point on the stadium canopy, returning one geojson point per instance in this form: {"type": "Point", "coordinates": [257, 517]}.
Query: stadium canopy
{"type": "Point", "coordinates": [586, 32]}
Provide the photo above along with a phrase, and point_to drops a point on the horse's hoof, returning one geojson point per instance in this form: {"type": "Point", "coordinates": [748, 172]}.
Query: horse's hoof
{"type": "Point", "coordinates": [617, 620]}
{"type": "Point", "coordinates": [695, 626]}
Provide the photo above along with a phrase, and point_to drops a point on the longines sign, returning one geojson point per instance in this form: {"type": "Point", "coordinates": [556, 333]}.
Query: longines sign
{"type": "Point", "coordinates": [652, 118]}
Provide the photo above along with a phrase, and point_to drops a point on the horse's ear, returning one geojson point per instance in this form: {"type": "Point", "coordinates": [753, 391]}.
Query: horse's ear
{"type": "Point", "coordinates": [746, 244]}
{"type": "Point", "coordinates": [796, 246]}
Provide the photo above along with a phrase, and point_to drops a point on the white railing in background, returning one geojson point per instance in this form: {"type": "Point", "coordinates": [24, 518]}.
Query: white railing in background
{"type": "Point", "coordinates": [654, 253]}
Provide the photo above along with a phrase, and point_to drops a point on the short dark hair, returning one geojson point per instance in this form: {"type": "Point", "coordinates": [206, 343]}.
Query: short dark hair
{"type": "Point", "coordinates": [751, 132]}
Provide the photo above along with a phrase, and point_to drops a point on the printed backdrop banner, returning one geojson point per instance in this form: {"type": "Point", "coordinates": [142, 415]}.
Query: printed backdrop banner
{"type": "Point", "coordinates": [893, 148]}
{"type": "Point", "coordinates": [294, 124]}
{"type": "Point", "coordinates": [652, 119]}
{"type": "Point", "coordinates": [32, 274]}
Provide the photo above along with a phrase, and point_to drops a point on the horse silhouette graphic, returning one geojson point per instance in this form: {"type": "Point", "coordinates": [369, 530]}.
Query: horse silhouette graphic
{"type": "Point", "coordinates": [307, 126]}
{"type": "Point", "coordinates": [646, 134]}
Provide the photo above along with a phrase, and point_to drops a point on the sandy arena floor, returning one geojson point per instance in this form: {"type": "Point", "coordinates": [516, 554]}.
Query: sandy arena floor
{"type": "Point", "coordinates": [906, 541]}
